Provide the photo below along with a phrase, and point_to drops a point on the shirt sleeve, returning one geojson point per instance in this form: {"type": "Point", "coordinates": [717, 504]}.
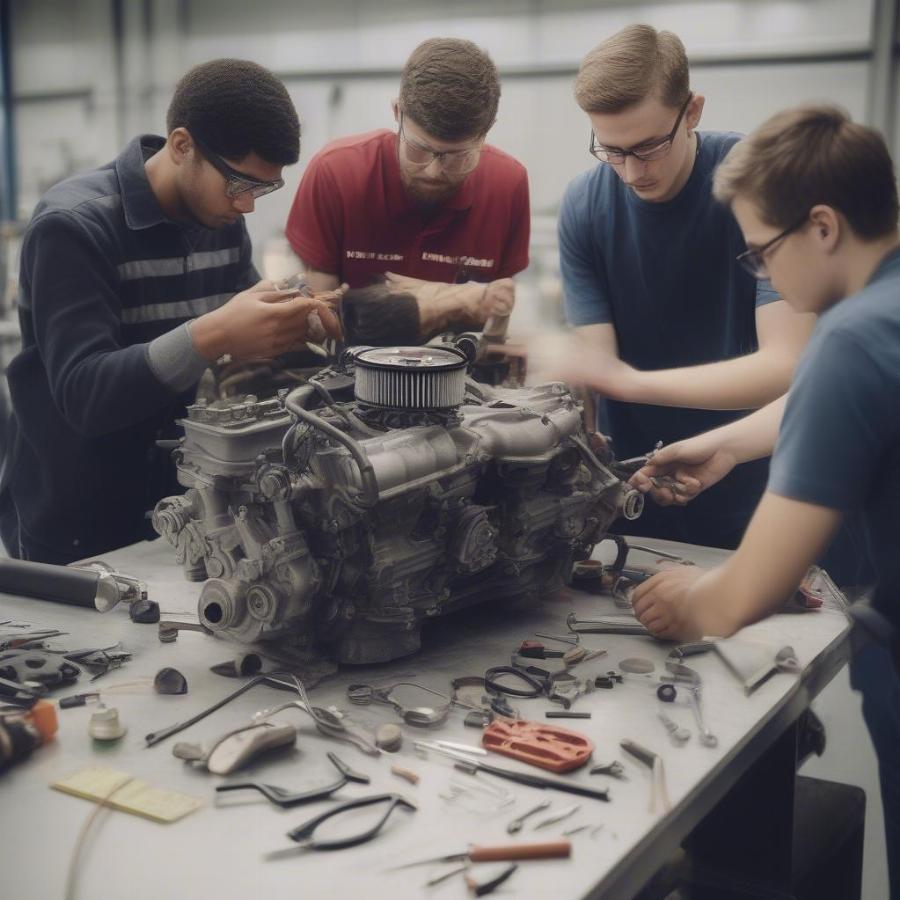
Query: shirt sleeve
{"type": "Point", "coordinates": [99, 384]}
{"type": "Point", "coordinates": [247, 274]}
{"type": "Point", "coordinates": [515, 255]}
{"type": "Point", "coordinates": [839, 421]}
{"type": "Point", "coordinates": [581, 268]}
{"type": "Point", "coordinates": [315, 223]}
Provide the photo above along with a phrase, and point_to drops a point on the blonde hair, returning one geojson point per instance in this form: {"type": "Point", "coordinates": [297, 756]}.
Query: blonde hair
{"type": "Point", "coordinates": [626, 68]}
{"type": "Point", "coordinates": [812, 155]}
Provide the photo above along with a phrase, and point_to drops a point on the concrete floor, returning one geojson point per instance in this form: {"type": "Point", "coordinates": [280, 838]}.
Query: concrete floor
{"type": "Point", "coordinates": [849, 758]}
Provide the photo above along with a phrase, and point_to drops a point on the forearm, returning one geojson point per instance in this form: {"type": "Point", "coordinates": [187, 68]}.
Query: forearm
{"type": "Point", "coordinates": [442, 305]}
{"type": "Point", "coordinates": [784, 538]}
{"type": "Point", "coordinates": [745, 382]}
{"type": "Point", "coordinates": [751, 437]}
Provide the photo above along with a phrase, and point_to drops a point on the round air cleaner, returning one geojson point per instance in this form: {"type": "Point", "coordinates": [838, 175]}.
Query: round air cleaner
{"type": "Point", "coordinates": [411, 377]}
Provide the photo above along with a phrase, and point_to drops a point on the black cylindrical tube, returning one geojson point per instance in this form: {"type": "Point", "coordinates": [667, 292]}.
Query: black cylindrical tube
{"type": "Point", "coordinates": [61, 584]}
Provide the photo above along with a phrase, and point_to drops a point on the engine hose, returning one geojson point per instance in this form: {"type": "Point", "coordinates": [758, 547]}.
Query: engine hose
{"type": "Point", "coordinates": [295, 402]}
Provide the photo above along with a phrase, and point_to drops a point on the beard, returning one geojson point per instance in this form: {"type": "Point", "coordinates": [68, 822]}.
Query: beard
{"type": "Point", "coordinates": [428, 193]}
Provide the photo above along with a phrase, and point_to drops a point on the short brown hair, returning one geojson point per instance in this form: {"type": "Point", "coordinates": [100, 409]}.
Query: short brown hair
{"type": "Point", "coordinates": [626, 68]}
{"type": "Point", "coordinates": [450, 88]}
{"type": "Point", "coordinates": [810, 155]}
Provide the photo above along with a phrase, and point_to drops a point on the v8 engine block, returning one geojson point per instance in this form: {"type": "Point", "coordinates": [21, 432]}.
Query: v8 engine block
{"type": "Point", "coordinates": [387, 490]}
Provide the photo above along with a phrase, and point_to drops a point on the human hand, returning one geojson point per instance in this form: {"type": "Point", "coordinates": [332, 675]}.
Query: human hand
{"type": "Point", "coordinates": [497, 299]}
{"type": "Point", "coordinates": [576, 361]}
{"type": "Point", "coordinates": [676, 474]}
{"type": "Point", "coordinates": [663, 604]}
{"type": "Point", "coordinates": [261, 323]}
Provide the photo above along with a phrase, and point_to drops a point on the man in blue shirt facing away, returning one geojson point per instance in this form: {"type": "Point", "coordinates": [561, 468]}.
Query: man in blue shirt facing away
{"type": "Point", "coordinates": [133, 278]}
{"type": "Point", "coordinates": [668, 326]}
{"type": "Point", "coordinates": [816, 200]}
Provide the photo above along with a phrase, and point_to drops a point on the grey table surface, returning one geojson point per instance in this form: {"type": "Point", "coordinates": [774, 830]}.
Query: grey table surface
{"type": "Point", "coordinates": [218, 850]}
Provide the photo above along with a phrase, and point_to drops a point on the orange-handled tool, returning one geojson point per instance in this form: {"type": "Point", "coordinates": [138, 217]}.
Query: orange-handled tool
{"type": "Point", "coordinates": [502, 853]}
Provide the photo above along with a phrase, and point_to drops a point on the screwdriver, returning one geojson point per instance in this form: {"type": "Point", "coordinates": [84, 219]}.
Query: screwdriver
{"type": "Point", "coordinates": [499, 853]}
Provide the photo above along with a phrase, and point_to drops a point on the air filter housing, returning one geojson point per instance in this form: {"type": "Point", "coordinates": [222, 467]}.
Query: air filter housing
{"type": "Point", "coordinates": [411, 377]}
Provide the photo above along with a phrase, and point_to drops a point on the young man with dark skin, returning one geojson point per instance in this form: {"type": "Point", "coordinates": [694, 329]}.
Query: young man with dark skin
{"type": "Point", "coordinates": [816, 200]}
{"type": "Point", "coordinates": [135, 277]}
{"type": "Point", "coordinates": [668, 326]}
{"type": "Point", "coordinates": [431, 209]}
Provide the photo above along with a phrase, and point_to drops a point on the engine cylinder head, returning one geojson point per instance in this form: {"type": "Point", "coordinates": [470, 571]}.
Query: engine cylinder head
{"type": "Point", "coordinates": [425, 378]}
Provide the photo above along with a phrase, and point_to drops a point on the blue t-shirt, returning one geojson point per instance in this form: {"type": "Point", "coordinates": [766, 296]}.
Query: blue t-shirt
{"type": "Point", "coordinates": [839, 444]}
{"type": "Point", "coordinates": [665, 276]}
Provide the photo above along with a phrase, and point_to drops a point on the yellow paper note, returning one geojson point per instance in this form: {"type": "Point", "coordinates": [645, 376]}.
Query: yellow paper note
{"type": "Point", "coordinates": [99, 783]}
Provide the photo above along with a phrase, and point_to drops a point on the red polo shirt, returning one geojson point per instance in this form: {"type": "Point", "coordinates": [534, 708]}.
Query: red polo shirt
{"type": "Point", "coordinates": [352, 217]}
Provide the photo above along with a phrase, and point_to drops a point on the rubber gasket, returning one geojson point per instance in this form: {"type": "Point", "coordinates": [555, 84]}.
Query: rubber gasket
{"type": "Point", "coordinates": [536, 687]}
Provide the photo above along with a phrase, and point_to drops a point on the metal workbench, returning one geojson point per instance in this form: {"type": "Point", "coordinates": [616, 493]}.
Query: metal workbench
{"type": "Point", "coordinates": [217, 851]}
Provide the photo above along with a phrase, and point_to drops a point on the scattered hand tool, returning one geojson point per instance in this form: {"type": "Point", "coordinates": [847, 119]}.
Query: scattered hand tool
{"type": "Point", "coordinates": [679, 736]}
{"type": "Point", "coordinates": [558, 817]}
{"type": "Point", "coordinates": [503, 853]}
{"type": "Point", "coordinates": [483, 888]}
{"type": "Point", "coordinates": [654, 763]}
{"type": "Point", "coordinates": [536, 650]}
{"type": "Point", "coordinates": [168, 630]}
{"type": "Point", "coordinates": [284, 799]}
{"type": "Point", "coordinates": [473, 766]}
{"type": "Point", "coordinates": [422, 716]}
{"type": "Point", "coordinates": [614, 769]}
{"type": "Point", "coordinates": [565, 714]}
{"type": "Point", "coordinates": [548, 747]}
{"type": "Point", "coordinates": [304, 834]}
{"type": "Point", "coordinates": [608, 625]}
{"type": "Point", "coordinates": [516, 825]}
{"type": "Point", "coordinates": [573, 639]}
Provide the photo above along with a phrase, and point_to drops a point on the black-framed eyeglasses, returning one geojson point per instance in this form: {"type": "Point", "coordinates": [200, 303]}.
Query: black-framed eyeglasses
{"type": "Point", "coordinates": [646, 152]}
{"type": "Point", "coordinates": [237, 184]}
{"type": "Point", "coordinates": [453, 162]}
{"type": "Point", "coordinates": [754, 261]}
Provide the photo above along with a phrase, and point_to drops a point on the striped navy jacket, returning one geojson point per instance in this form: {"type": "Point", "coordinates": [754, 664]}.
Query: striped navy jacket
{"type": "Point", "coordinates": [104, 278]}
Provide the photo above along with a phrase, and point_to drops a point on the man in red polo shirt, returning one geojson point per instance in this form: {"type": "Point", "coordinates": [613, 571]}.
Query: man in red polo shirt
{"type": "Point", "coordinates": [429, 210]}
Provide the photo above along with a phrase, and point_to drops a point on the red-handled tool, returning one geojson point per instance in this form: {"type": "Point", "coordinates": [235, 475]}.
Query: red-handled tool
{"type": "Point", "coordinates": [501, 853]}
{"type": "Point", "coordinates": [546, 746]}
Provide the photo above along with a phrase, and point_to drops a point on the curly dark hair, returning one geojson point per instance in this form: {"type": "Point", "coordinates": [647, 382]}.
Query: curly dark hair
{"type": "Point", "coordinates": [237, 107]}
{"type": "Point", "coordinates": [379, 317]}
{"type": "Point", "coordinates": [450, 88]}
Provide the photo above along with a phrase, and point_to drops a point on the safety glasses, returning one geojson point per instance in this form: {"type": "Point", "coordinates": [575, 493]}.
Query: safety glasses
{"type": "Point", "coordinates": [237, 184]}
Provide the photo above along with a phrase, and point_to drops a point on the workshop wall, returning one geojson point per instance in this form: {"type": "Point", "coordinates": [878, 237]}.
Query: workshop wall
{"type": "Point", "coordinates": [89, 74]}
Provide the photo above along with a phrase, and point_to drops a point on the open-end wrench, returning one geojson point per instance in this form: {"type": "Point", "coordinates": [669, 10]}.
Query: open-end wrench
{"type": "Point", "coordinates": [515, 826]}
{"type": "Point", "coordinates": [706, 737]}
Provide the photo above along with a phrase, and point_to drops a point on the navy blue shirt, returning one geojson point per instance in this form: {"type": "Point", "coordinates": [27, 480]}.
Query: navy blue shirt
{"type": "Point", "coordinates": [665, 276]}
{"type": "Point", "coordinates": [103, 272]}
{"type": "Point", "coordinates": [839, 443]}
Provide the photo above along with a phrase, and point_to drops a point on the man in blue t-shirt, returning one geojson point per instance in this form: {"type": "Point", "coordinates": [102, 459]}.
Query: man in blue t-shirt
{"type": "Point", "coordinates": [816, 200]}
{"type": "Point", "coordinates": [669, 327]}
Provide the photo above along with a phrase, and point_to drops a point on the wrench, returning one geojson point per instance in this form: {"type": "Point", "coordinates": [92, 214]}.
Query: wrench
{"type": "Point", "coordinates": [706, 737]}
{"type": "Point", "coordinates": [515, 826]}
